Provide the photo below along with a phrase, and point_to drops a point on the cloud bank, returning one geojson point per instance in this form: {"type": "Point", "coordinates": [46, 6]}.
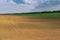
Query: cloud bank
{"type": "Point", "coordinates": [19, 6]}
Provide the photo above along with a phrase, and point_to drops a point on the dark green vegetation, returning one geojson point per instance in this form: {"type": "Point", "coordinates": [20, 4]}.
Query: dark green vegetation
{"type": "Point", "coordinates": [47, 14]}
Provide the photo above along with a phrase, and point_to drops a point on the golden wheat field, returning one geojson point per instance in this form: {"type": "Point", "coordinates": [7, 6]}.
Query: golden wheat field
{"type": "Point", "coordinates": [26, 28]}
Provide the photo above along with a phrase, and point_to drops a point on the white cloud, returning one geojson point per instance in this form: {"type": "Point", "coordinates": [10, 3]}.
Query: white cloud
{"type": "Point", "coordinates": [8, 6]}
{"type": "Point", "coordinates": [11, 7]}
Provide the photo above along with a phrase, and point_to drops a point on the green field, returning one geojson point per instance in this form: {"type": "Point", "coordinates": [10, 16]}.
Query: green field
{"type": "Point", "coordinates": [45, 15]}
{"type": "Point", "coordinates": [39, 14]}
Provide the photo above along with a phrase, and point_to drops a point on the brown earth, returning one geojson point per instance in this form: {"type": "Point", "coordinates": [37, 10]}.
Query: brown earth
{"type": "Point", "coordinates": [26, 28]}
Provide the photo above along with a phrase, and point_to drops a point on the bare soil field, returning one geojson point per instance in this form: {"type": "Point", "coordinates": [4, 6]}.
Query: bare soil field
{"type": "Point", "coordinates": [26, 28]}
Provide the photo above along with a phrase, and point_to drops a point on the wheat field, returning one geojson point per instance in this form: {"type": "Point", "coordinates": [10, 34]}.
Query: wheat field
{"type": "Point", "coordinates": [26, 28]}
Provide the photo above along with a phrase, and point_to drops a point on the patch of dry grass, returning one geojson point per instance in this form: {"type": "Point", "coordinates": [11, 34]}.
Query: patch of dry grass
{"type": "Point", "coordinates": [24, 28]}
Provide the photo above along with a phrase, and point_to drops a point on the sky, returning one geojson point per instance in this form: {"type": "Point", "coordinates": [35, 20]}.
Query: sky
{"type": "Point", "coordinates": [20, 6]}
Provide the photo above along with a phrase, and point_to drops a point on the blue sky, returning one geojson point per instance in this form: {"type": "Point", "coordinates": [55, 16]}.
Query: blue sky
{"type": "Point", "coordinates": [18, 6]}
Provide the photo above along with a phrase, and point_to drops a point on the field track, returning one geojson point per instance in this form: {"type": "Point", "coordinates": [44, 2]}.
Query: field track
{"type": "Point", "coordinates": [29, 28]}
